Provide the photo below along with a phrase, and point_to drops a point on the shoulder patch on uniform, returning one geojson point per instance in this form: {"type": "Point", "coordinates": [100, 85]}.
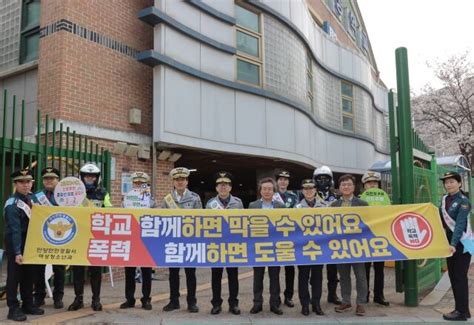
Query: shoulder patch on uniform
{"type": "Point", "coordinates": [464, 206]}
{"type": "Point", "coordinates": [10, 201]}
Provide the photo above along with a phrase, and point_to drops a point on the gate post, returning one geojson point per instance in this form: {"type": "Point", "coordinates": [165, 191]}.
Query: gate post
{"type": "Point", "coordinates": [406, 163]}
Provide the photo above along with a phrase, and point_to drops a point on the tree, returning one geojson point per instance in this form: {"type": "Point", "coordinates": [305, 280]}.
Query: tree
{"type": "Point", "coordinates": [444, 117]}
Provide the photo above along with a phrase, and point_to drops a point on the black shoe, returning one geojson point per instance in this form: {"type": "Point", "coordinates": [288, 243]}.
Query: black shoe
{"type": "Point", "coordinates": [334, 299]}
{"type": "Point", "coordinates": [16, 315]}
{"type": "Point", "coordinates": [127, 304]}
{"type": "Point", "coordinates": [255, 309]}
{"type": "Point", "coordinates": [58, 304]}
{"type": "Point", "coordinates": [193, 308]}
{"type": "Point", "coordinates": [235, 310]}
{"type": "Point", "coordinates": [76, 304]}
{"type": "Point", "coordinates": [455, 315]}
{"type": "Point", "coordinates": [96, 305]}
{"type": "Point", "coordinates": [276, 310]}
{"type": "Point", "coordinates": [305, 310]}
{"type": "Point", "coordinates": [317, 309]}
{"type": "Point", "coordinates": [289, 303]}
{"type": "Point", "coordinates": [171, 306]}
{"type": "Point", "coordinates": [216, 310]}
{"type": "Point", "coordinates": [381, 301]}
{"type": "Point", "coordinates": [38, 302]}
{"type": "Point", "coordinates": [146, 304]}
{"type": "Point", "coordinates": [33, 310]}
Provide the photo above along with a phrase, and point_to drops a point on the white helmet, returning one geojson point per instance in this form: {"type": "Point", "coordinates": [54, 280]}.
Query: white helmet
{"type": "Point", "coordinates": [90, 169]}
{"type": "Point", "coordinates": [371, 176]}
{"type": "Point", "coordinates": [323, 170]}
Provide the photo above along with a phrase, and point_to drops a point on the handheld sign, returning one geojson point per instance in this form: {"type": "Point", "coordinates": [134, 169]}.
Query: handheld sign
{"type": "Point", "coordinates": [70, 191]}
{"type": "Point", "coordinates": [375, 196]}
{"type": "Point", "coordinates": [137, 198]}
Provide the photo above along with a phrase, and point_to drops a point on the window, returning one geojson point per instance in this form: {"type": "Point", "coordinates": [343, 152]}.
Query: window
{"type": "Point", "coordinates": [309, 80]}
{"type": "Point", "coordinates": [347, 102]}
{"type": "Point", "coordinates": [249, 45]}
{"type": "Point", "coordinates": [30, 30]}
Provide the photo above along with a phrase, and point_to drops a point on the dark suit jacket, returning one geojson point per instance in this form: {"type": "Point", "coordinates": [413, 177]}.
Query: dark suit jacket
{"type": "Point", "coordinates": [258, 205]}
{"type": "Point", "coordinates": [356, 202]}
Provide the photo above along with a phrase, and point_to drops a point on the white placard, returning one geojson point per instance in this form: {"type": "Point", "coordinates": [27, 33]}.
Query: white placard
{"type": "Point", "coordinates": [70, 192]}
{"type": "Point", "coordinates": [137, 198]}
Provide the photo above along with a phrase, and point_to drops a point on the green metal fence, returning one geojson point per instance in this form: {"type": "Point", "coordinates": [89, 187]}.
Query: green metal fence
{"type": "Point", "coordinates": [51, 146]}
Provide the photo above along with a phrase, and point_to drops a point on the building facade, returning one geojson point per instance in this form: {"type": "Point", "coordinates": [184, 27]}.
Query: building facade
{"type": "Point", "coordinates": [246, 86]}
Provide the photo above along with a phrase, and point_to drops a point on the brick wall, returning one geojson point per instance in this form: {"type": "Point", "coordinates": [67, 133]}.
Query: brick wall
{"type": "Point", "coordinates": [89, 82]}
{"type": "Point", "coordinates": [84, 81]}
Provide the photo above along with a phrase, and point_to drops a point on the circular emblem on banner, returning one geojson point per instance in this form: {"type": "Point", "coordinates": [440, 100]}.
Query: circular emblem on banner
{"type": "Point", "coordinates": [70, 192]}
{"type": "Point", "coordinates": [412, 231]}
{"type": "Point", "coordinates": [59, 229]}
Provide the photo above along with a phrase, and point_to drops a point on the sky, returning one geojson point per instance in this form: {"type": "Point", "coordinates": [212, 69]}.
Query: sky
{"type": "Point", "coordinates": [430, 30]}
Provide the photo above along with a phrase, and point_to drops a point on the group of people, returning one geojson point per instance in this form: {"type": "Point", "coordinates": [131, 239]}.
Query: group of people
{"type": "Point", "coordinates": [273, 194]}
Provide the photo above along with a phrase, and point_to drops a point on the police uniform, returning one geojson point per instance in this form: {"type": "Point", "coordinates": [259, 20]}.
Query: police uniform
{"type": "Point", "coordinates": [100, 198]}
{"type": "Point", "coordinates": [273, 273]}
{"type": "Point", "coordinates": [46, 197]}
{"type": "Point", "coordinates": [327, 197]}
{"type": "Point", "coordinates": [146, 272]}
{"type": "Point", "coordinates": [231, 202]}
{"type": "Point", "coordinates": [189, 200]}
{"type": "Point", "coordinates": [289, 199]}
{"type": "Point", "coordinates": [455, 212]}
{"type": "Point", "coordinates": [17, 212]}
{"type": "Point", "coordinates": [312, 274]}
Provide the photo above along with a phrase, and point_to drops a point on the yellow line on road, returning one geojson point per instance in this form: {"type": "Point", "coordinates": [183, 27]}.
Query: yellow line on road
{"type": "Point", "coordinates": [69, 315]}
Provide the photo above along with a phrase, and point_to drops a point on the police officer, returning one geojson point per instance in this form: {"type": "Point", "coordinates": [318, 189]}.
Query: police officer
{"type": "Point", "coordinates": [181, 198]}
{"type": "Point", "coordinates": [90, 176]}
{"type": "Point", "coordinates": [224, 200]}
{"type": "Point", "coordinates": [370, 180]}
{"type": "Point", "coordinates": [140, 180]}
{"type": "Point", "coordinates": [311, 273]}
{"type": "Point", "coordinates": [266, 189]}
{"type": "Point", "coordinates": [17, 213]}
{"type": "Point", "coordinates": [323, 178]}
{"type": "Point", "coordinates": [45, 197]}
{"type": "Point", "coordinates": [455, 214]}
{"type": "Point", "coordinates": [289, 199]}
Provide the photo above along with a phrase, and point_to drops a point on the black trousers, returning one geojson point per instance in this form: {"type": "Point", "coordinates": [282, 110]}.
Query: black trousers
{"type": "Point", "coordinates": [458, 267]}
{"type": "Point", "coordinates": [58, 282]}
{"type": "Point", "coordinates": [190, 285]}
{"type": "Point", "coordinates": [312, 274]}
{"type": "Point", "coordinates": [331, 270]}
{"type": "Point", "coordinates": [78, 273]}
{"type": "Point", "coordinates": [258, 275]}
{"type": "Point", "coordinates": [22, 276]}
{"type": "Point", "coordinates": [130, 283]}
{"type": "Point", "coordinates": [232, 276]}
{"type": "Point", "coordinates": [378, 278]}
{"type": "Point", "coordinates": [289, 282]}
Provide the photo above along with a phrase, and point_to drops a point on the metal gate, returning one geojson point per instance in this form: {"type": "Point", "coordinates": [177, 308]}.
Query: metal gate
{"type": "Point", "coordinates": [52, 145]}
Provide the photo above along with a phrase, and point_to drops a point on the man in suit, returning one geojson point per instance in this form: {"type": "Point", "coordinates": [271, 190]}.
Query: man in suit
{"type": "Point", "coordinates": [266, 188]}
{"type": "Point", "coordinates": [348, 199]}
{"type": "Point", "coordinates": [224, 200]}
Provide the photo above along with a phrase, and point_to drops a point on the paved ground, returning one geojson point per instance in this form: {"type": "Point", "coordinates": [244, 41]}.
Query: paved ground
{"type": "Point", "coordinates": [112, 297]}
